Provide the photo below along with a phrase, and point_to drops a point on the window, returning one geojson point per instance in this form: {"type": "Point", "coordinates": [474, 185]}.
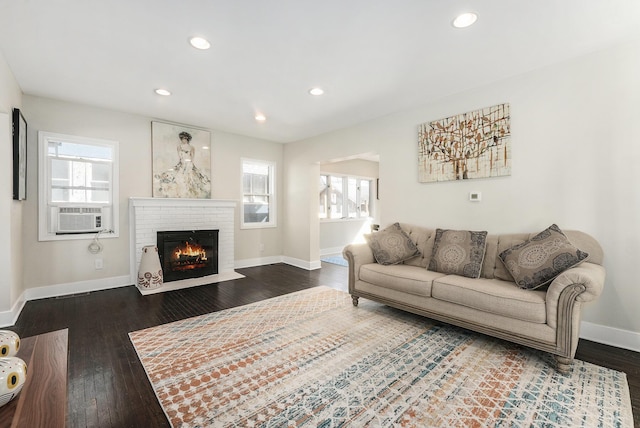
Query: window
{"type": "Point", "coordinates": [344, 197]}
{"type": "Point", "coordinates": [78, 183]}
{"type": "Point", "coordinates": [258, 194]}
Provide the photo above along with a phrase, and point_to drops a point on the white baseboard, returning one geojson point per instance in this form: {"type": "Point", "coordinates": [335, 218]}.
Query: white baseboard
{"type": "Point", "coordinates": [58, 290]}
{"type": "Point", "coordinates": [10, 317]}
{"type": "Point", "coordinates": [261, 261]}
{"type": "Point", "coordinates": [302, 264]}
{"type": "Point", "coordinates": [331, 251]}
{"type": "Point", "coordinates": [617, 337]}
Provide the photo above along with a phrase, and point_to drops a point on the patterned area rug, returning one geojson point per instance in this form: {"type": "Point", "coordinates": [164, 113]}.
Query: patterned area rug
{"type": "Point", "coordinates": [311, 359]}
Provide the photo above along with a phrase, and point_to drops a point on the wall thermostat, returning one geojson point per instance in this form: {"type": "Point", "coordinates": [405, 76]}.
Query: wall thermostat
{"type": "Point", "coordinates": [475, 196]}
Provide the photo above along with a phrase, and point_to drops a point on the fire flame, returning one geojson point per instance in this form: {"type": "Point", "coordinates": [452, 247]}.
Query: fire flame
{"type": "Point", "coordinates": [189, 250]}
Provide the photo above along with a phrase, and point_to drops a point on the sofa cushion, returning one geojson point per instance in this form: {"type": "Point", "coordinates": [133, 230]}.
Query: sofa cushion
{"type": "Point", "coordinates": [392, 245]}
{"type": "Point", "coordinates": [540, 259]}
{"type": "Point", "coordinates": [493, 296]}
{"type": "Point", "coordinates": [409, 279]}
{"type": "Point", "coordinates": [492, 265]}
{"type": "Point", "coordinates": [423, 238]}
{"type": "Point", "coordinates": [458, 252]}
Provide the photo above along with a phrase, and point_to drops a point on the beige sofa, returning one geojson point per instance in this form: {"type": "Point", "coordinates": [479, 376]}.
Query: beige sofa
{"type": "Point", "coordinates": [547, 318]}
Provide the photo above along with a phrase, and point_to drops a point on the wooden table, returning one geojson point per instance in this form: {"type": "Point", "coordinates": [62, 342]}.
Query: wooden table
{"type": "Point", "coordinates": [43, 399]}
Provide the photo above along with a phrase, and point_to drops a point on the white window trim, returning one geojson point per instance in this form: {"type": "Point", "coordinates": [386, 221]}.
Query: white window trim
{"type": "Point", "coordinates": [44, 190]}
{"type": "Point", "coordinates": [273, 222]}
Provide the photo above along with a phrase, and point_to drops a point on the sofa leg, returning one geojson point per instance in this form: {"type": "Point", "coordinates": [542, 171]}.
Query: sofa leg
{"type": "Point", "coordinates": [563, 364]}
{"type": "Point", "coordinates": [354, 299]}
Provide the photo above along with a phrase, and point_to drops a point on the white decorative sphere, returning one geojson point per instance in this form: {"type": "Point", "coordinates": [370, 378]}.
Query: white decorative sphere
{"type": "Point", "coordinates": [9, 343]}
{"type": "Point", "coordinates": [13, 373]}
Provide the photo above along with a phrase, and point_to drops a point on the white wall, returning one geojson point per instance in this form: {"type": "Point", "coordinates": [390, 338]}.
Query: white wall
{"type": "Point", "coordinates": [10, 210]}
{"type": "Point", "coordinates": [66, 262]}
{"type": "Point", "coordinates": [575, 151]}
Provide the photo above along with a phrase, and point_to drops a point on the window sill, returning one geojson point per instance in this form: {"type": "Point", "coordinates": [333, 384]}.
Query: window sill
{"type": "Point", "coordinates": [258, 226]}
{"type": "Point", "coordinates": [345, 220]}
{"type": "Point", "coordinates": [76, 236]}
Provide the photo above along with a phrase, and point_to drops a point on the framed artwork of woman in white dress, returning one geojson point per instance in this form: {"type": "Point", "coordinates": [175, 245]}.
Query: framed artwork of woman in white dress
{"type": "Point", "coordinates": [181, 161]}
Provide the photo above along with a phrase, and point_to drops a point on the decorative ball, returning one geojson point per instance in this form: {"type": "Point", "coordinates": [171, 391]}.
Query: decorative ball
{"type": "Point", "coordinates": [13, 373]}
{"type": "Point", "coordinates": [9, 343]}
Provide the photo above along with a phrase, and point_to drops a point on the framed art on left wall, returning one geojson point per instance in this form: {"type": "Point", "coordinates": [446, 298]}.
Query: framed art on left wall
{"type": "Point", "coordinates": [19, 156]}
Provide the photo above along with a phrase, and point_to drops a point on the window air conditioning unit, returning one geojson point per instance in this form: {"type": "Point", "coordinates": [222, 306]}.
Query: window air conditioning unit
{"type": "Point", "coordinates": [79, 220]}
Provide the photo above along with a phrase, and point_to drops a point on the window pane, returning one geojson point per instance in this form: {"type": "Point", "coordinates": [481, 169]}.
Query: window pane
{"type": "Point", "coordinates": [246, 183]}
{"type": "Point", "coordinates": [78, 195]}
{"type": "Point", "coordinates": [60, 169]}
{"type": "Point", "coordinates": [100, 172]}
{"type": "Point", "coordinates": [59, 195]}
{"type": "Point", "coordinates": [260, 184]}
{"type": "Point", "coordinates": [365, 197]}
{"type": "Point", "coordinates": [257, 188]}
{"type": "Point", "coordinates": [352, 197]}
{"type": "Point", "coordinates": [323, 191]}
{"type": "Point", "coordinates": [336, 203]}
{"type": "Point", "coordinates": [99, 196]}
{"type": "Point", "coordinates": [76, 169]}
{"type": "Point", "coordinates": [80, 151]}
{"type": "Point", "coordinates": [79, 174]}
{"type": "Point", "coordinates": [257, 211]}
{"type": "Point", "coordinates": [255, 168]}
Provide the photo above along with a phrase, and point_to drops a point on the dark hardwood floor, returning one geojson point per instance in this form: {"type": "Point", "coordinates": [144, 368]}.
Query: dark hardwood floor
{"type": "Point", "coordinates": [107, 384]}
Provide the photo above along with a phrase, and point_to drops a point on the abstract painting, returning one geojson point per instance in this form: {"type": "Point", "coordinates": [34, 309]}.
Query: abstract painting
{"type": "Point", "coordinates": [476, 144]}
{"type": "Point", "coordinates": [181, 161]}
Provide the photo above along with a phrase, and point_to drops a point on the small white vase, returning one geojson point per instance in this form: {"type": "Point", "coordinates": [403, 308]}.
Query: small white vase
{"type": "Point", "coordinates": [13, 373]}
{"type": "Point", "coordinates": [150, 271]}
{"type": "Point", "coordinates": [9, 343]}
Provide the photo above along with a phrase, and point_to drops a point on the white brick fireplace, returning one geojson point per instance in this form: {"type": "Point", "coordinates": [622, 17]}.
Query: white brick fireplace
{"type": "Point", "coordinates": [150, 215]}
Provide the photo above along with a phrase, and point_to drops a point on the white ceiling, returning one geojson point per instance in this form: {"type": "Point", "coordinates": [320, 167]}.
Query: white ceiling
{"type": "Point", "coordinates": [372, 57]}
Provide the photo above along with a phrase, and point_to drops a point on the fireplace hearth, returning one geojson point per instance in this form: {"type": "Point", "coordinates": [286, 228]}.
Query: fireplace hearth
{"type": "Point", "coordinates": [188, 253]}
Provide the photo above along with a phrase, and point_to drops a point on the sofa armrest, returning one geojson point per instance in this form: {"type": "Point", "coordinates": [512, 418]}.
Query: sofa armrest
{"type": "Point", "coordinates": [586, 282]}
{"type": "Point", "coordinates": [357, 255]}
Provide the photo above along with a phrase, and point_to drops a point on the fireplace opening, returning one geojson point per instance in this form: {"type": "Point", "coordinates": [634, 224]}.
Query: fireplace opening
{"type": "Point", "coordinates": [188, 253]}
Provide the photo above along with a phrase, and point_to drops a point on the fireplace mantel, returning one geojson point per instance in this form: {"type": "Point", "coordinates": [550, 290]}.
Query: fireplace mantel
{"type": "Point", "coordinates": [180, 202]}
{"type": "Point", "coordinates": [147, 216]}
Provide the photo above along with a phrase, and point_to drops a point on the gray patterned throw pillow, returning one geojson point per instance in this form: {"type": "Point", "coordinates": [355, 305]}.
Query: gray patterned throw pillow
{"type": "Point", "coordinates": [540, 259]}
{"type": "Point", "coordinates": [458, 252]}
{"type": "Point", "coordinates": [392, 245]}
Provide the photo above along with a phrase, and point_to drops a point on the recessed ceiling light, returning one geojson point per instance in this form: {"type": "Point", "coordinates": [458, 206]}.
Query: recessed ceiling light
{"type": "Point", "coordinates": [163, 92]}
{"type": "Point", "coordinates": [199, 43]}
{"type": "Point", "coordinates": [316, 91]}
{"type": "Point", "coordinates": [464, 20]}
{"type": "Point", "coordinates": [260, 117]}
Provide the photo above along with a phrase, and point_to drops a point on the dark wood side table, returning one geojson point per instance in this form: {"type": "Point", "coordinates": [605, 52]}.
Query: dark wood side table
{"type": "Point", "coordinates": [43, 399]}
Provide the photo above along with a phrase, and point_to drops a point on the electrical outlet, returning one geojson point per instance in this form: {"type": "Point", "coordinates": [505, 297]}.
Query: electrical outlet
{"type": "Point", "coordinates": [99, 264]}
{"type": "Point", "coordinates": [262, 248]}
